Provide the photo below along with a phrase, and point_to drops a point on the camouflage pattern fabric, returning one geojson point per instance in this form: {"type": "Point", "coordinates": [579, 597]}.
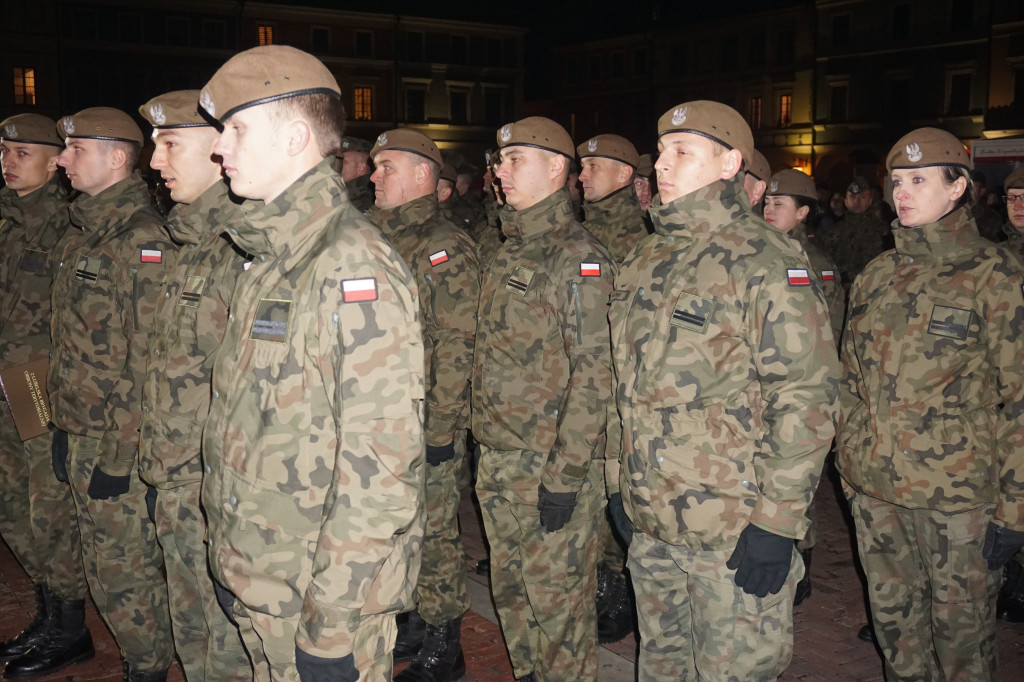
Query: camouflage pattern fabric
{"type": "Point", "coordinates": [314, 492]}
{"type": "Point", "coordinates": [1014, 240]}
{"type": "Point", "coordinates": [616, 221]}
{"type": "Point", "coordinates": [468, 209]}
{"type": "Point", "coordinates": [361, 193]}
{"type": "Point", "coordinates": [988, 222]}
{"type": "Point", "coordinates": [853, 242]}
{"type": "Point", "coordinates": [487, 233]}
{"type": "Point", "coordinates": [443, 261]}
{"type": "Point", "coordinates": [827, 274]}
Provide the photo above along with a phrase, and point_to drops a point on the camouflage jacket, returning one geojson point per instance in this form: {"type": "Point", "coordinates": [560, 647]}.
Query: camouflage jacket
{"type": "Point", "coordinates": [616, 221]}
{"type": "Point", "coordinates": [1014, 239]}
{"type": "Point", "coordinates": [314, 444]}
{"type": "Point", "coordinates": [361, 193]}
{"type": "Point", "coordinates": [114, 260]}
{"type": "Point", "coordinates": [827, 274]}
{"type": "Point", "coordinates": [468, 209]}
{"type": "Point", "coordinates": [727, 375]}
{"type": "Point", "coordinates": [487, 233]}
{"type": "Point", "coordinates": [542, 371]}
{"type": "Point", "coordinates": [188, 326]}
{"type": "Point", "coordinates": [853, 242]}
{"type": "Point", "coordinates": [933, 383]}
{"type": "Point", "coordinates": [443, 260]}
{"type": "Point", "coordinates": [31, 228]}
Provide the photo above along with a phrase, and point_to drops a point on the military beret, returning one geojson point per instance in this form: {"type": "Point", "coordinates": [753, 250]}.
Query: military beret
{"type": "Point", "coordinates": [449, 172]}
{"type": "Point", "coordinates": [178, 109]}
{"type": "Point", "coordinates": [927, 147]}
{"type": "Point", "coordinates": [794, 183]}
{"type": "Point", "coordinates": [101, 123]}
{"type": "Point", "coordinates": [30, 129]}
{"type": "Point", "coordinates": [646, 166]}
{"type": "Point", "coordinates": [758, 166]}
{"type": "Point", "coordinates": [610, 147]}
{"type": "Point", "coordinates": [407, 140]}
{"type": "Point", "coordinates": [354, 144]}
{"type": "Point", "coordinates": [265, 74]}
{"type": "Point", "coordinates": [858, 185]}
{"type": "Point", "coordinates": [712, 120]}
{"type": "Point", "coordinates": [539, 132]}
{"type": "Point", "coordinates": [1015, 180]}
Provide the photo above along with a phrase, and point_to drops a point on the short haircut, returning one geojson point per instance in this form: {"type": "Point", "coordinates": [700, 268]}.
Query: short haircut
{"type": "Point", "coordinates": [324, 113]}
{"type": "Point", "coordinates": [131, 150]}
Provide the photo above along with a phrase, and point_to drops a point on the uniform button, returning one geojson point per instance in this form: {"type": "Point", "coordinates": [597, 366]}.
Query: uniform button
{"type": "Point", "coordinates": [163, 431]}
{"type": "Point", "coordinates": [660, 459]}
{"type": "Point", "coordinates": [140, 469]}
{"type": "Point", "coordinates": [910, 260]}
{"type": "Point", "coordinates": [745, 484]}
{"type": "Point", "coordinates": [61, 264]}
{"type": "Point", "coordinates": [167, 294]}
{"type": "Point", "coordinates": [231, 318]}
{"type": "Point", "coordinates": [208, 469]}
{"type": "Point", "coordinates": [216, 395]}
{"type": "Point", "coordinates": [157, 352]}
{"type": "Point", "coordinates": [233, 231]}
{"type": "Point", "coordinates": [145, 408]}
{"type": "Point", "coordinates": [630, 357]}
{"type": "Point", "coordinates": [641, 291]}
{"type": "Point", "coordinates": [262, 258]}
{"type": "Point", "coordinates": [232, 500]}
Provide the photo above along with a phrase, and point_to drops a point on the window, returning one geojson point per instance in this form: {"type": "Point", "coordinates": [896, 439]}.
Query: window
{"type": "Point", "coordinates": [838, 102]}
{"type": "Point", "coordinates": [458, 106]}
{"type": "Point", "coordinates": [494, 107]}
{"type": "Point", "coordinates": [961, 17]}
{"type": "Point", "coordinates": [595, 68]}
{"type": "Point", "coordinates": [320, 39]}
{"type": "Point", "coordinates": [899, 97]}
{"type": "Point", "coordinates": [494, 52]}
{"type": "Point", "coordinates": [416, 103]}
{"type": "Point", "coordinates": [414, 46]}
{"type": "Point", "coordinates": [959, 88]}
{"type": "Point", "coordinates": [900, 21]}
{"type": "Point", "coordinates": [678, 59]}
{"type": "Point", "coordinates": [640, 61]}
{"type": "Point", "coordinates": [214, 31]}
{"type": "Point", "coordinates": [177, 31]}
{"type": "Point", "coordinates": [266, 34]}
{"type": "Point", "coordinates": [754, 112]}
{"type": "Point", "coordinates": [362, 101]}
{"type": "Point", "coordinates": [459, 49]}
{"type": "Point", "coordinates": [24, 86]}
{"type": "Point", "coordinates": [129, 28]}
{"type": "Point", "coordinates": [785, 48]}
{"type": "Point", "coordinates": [364, 43]}
{"type": "Point", "coordinates": [841, 30]}
{"type": "Point", "coordinates": [755, 53]}
{"type": "Point", "coordinates": [785, 110]}
{"type": "Point", "coordinates": [618, 65]}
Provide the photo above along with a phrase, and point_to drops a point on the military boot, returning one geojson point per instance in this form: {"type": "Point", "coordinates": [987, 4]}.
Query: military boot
{"type": "Point", "coordinates": [411, 629]}
{"type": "Point", "coordinates": [133, 674]}
{"type": "Point", "coordinates": [34, 632]}
{"type": "Point", "coordinates": [615, 606]}
{"type": "Point", "coordinates": [66, 641]}
{"type": "Point", "coordinates": [1010, 604]}
{"type": "Point", "coordinates": [803, 588]}
{"type": "Point", "coordinates": [440, 659]}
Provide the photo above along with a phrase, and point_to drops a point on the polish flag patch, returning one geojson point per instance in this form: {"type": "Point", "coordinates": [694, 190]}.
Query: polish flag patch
{"type": "Point", "coordinates": [590, 269]}
{"type": "Point", "coordinates": [798, 277]}
{"type": "Point", "coordinates": [828, 275]}
{"type": "Point", "coordinates": [359, 290]}
{"type": "Point", "coordinates": [439, 257]}
{"type": "Point", "coordinates": [152, 256]}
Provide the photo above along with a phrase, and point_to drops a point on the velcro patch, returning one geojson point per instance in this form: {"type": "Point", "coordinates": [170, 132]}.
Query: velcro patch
{"type": "Point", "coordinates": [192, 292]}
{"type": "Point", "coordinates": [34, 260]}
{"type": "Point", "coordinates": [828, 275]}
{"type": "Point", "coordinates": [439, 257]}
{"type": "Point", "coordinates": [151, 256]}
{"type": "Point", "coordinates": [88, 270]}
{"type": "Point", "coordinates": [954, 323]}
{"type": "Point", "coordinates": [693, 313]}
{"type": "Point", "coordinates": [359, 290]}
{"type": "Point", "coordinates": [798, 277]}
{"type": "Point", "coordinates": [590, 269]}
{"type": "Point", "coordinates": [271, 322]}
{"type": "Point", "coordinates": [519, 281]}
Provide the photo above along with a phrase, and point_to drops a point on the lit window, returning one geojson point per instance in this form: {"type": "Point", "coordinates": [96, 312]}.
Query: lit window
{"type": "Point", "coordinates": [755, 113]}
{"type": "Point", "coordinates": [785, 110]}
{"type": "Point", "coordinates": [266, 35]}
{"type": "Point", "coordinates": [24, 86]}
{"type": "Point", "coordinates": [363, 104]}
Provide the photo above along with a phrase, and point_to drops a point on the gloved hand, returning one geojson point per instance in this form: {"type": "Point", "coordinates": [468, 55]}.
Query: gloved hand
{"type": "Point", "coordinates": [761, 561]}
{"type": "Point", "coordinates": [151, 503]}
{"type": "Point", "coordinates": [59, 455]}
{"type": "Point", "coordinates": [315, 669]}
{"type": "Point", "coordinates": [439, 454]}
{"type": "Point", "coordinates": [555, 508]}
{"type": "Point", "coordinates": [103, 486]}
{"type": "Point", "coordinates": [622, 524]}
{"type": "Point", "coordinates": [1001, 544]}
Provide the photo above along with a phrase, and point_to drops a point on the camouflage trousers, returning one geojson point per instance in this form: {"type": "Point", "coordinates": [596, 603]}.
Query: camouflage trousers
{"type": "Point", "coordinates": [37, 514]}
{"type": "Point", "coordinates": [270, 641]}
{"type": "Point", "coordinates": [543, 584]}
{"type": "Point", "coordinates": [208, 644]}
{"type": "Point", "coordinates": [442, 593]}
{"type": "Point", "coordinates": [123, 563]}
{"type": "Point", "coordinates": [932, 595]}
{"type": "Point", "coordinates": [695, 624]}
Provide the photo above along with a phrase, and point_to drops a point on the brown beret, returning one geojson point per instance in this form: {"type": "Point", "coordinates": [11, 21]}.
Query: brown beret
{"type": "Point", "coordinates": [713, 120]}
{"type": "Point", "coordinates": [610, 147]}
{"type": "Point", "coordinates": [537, 131]}
{"type": "Point", "coordinates": [646, 166]}
{"type": "Point", "coordinates": [178, 109]}
{"type": "Point", "coordinates": [927, 147]}
{"type": "Point", "coordinates": [449, 172]}
{"type": "Point", "coordinates": [758, 166]}
{"type": "Point", "coordinates": [407, 140]}
{"type": "Point", "coordinates": [794, 183]}
{"type": "Point", "coordinates": [30, 129]}
{"type": "Point", "coordinates": [264, 74]}
{"type": "Point", "coordinates": [101, 123]}
{"type": "Point", "coordinates": [353, 144]}
{"type": "Point", "coordinates": [1015, 180]}
{"type": "Point", "coordinates": [858, 185]}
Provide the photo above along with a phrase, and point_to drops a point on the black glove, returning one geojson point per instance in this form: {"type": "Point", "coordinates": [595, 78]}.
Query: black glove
{"type": "Point", "coordinates": [439, 454]}
{"type": "Point", "coordinates": [1001, 544]}
{"type": "Point", "coordinates": [555, 508]}
{"type": "Point", "coordinates": [315, 669]}
{"type": "Point", "coordinates": [226, 599]}
{"type": "Point", "coordinates": [59, 455]}
{"type": "Point", "coordinates": [151, 503]}
{"type": "Point", "coordinates": [761, 561]}
{"type": "Point", "coordinates": [105, 487]}
{"type": "Point", "coordinates": [622, 524]}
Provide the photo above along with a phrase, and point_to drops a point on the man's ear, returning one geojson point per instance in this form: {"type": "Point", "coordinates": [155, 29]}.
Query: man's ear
{"type": "Point", "coordinates": [732, 162]}
{"type": "Point", "coordinates": [299, 137]}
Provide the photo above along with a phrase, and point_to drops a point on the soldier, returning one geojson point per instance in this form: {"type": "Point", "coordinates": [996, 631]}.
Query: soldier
{"type": "Point", "coordinates": [354, 155]}
{"type": "Point", "coordinates": [189, 324]}
{"type": "Point", "coordinates": [541, 389]}
{"type": "Point", "coordinates": [314, 444]}
{"type": "Point", "coordinates": [642, 182]}
{"type": "Point", "coordinates": [858, 236]}
{"type": "Point", "coordinates": [726, 389]}
{"type": "Point", "coordinates": [446, 193]}
{"type": "Point", "coordinates": [931, 442]}
{"type": "Point", "coordinates": [755, 180]}
{"type": "Point", "coordinates": [985, 217]}
{"type": "Point", "coordinates": [1014, 227]}
{"type": "Point", "coordinates": [444, 262]}
{"type": "Point", "coordinates": [469, 206]}
{"type": "Point", "coordinates": [610, 203]}
{"type": "Point", "coordinates": [113, 261]}
{"type": "Point", "coordinates": [487, 233]}
{"type": "Point", "coordinates": [38, 515]}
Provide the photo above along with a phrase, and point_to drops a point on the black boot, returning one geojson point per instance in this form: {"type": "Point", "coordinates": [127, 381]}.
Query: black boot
{"type": "Point", "coordinates": [1010, 604]}
{"type": "Point", "coordinates": [483, 567]}
{"type": "Point", "coordinates": [803, 588]}
{"type": "Point", "coordinates": [866, 634]}
{"type": "Point", "coordinates": [67, 641]}
{"type": "Point", "coordinates": [34, 632]}
{"type": "Point", "coordinates": [615, 606]}
{"type": "Point", "coordinates": [440, 659]}
{"type": "Point", "coordinates": [411, 629]}
{"type": "Point", "coordinates": [133, 674]}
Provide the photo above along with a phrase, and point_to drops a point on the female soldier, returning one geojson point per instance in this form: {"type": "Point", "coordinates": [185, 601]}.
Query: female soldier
{"type": "Point", "coordinates": [931, 442]}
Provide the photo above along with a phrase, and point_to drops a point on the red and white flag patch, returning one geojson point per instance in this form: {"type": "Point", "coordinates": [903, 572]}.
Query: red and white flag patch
{"type": "Point", "coordinates": [798, 277]}
{"type": "Point", "coordinates": [439, 257]}
{"type": "Point", "coordinates": [590, 269]}
{"type": "Point", "coordinates": [152, 256]}
{"type": "Point", "coordinates": [359, 290]}
{"type": "Point", "coordinates": [828, 275]}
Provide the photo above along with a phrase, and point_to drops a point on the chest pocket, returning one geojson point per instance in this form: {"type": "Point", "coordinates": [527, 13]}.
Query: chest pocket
{"type": "Point", "coordinates": [34, 260]}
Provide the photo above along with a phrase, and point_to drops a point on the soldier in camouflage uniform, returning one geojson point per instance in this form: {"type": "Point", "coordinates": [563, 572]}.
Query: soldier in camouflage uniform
{"type": "Point", "coordinates": [38, 515]}
{"type": "Point", "coordinates": [610, 207]}
{"type": "Point", "coordinates": [115, 257]}
{"type": "Point", "coordinates": [487, 233]}
{"type": "Point", "coordinates": [443, 260]}
{"type": "Point", "coordinates": [446, 194]}
{"type": "Point", "coordinates": [931, 442]}
{"type": "Point", "coordinates": [314, 444]}
{"type": "Point", "coordinates": [541, 389]}
{"type": "Point", "coordinates": [353, 157]}
{"type": "Point", "coordinates": [188, 327]}
{"type": "Point", "coordinates": [726, 390]}
{"type": "Point", "coordinates": [858, 236]}
{"type": "Point", "coordinates": [1014, 227]}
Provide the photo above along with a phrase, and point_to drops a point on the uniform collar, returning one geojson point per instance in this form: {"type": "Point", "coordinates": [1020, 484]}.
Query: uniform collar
{"type": "Point", "coordinates": [702, 211]}
{"type": "Point", "coordinates": [545, 215]}
{"type": "Point", "coordinates": [1012, 235]}
{"type": "Point", "coordinates": [21, 209]}
{"type": "Point", "coordinates": [952, 234]}
{"type": "Point", "coordinates": [620, 205]}
{"type": "Point", "coordinates": [212, 212]}
{"type": "Point", "coordinates": [410, 214]}
{"type": "Point", "coordinates": [111, 206]}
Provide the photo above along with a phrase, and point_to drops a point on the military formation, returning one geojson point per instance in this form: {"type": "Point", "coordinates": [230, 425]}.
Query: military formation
{"type": "Point", "coordinates": [264, 406]}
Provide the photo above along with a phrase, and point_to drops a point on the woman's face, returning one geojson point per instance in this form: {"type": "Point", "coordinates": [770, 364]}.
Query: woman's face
{"type": "Point", "coordinates": [922, 196]}
{"type": "Point", "coordinates": [780, 212]}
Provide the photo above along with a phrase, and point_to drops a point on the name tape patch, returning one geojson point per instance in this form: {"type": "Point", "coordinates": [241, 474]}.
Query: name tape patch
{"type": "Point", "coordinates": [34, 260]}
{"type": "Point", "coordinates": [271, 321]}
{"type": "Point", "coordinates": [953, 323]}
